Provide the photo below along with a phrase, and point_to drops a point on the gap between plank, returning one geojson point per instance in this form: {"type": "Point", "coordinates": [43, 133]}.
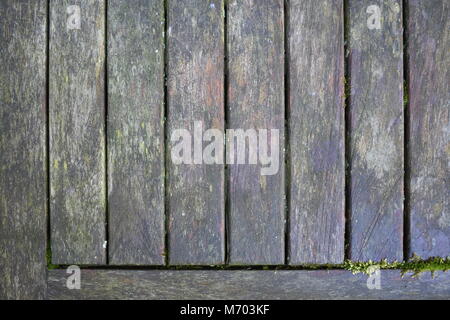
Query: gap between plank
{"type": "Point", "coordinates": [106, 138]}
{"type": "Point", "coordinates": [406, 156]}
{"type": "Point", "coordinates": [347, 125]}
{"type": "Point", "coordinates": [225, 106]}
{"type": "Point", "coordinates": [47, 138]}
{"type": "Point", "coordinates": [166, 149]}
{"type": "Point", "coordinates": [287, 168]}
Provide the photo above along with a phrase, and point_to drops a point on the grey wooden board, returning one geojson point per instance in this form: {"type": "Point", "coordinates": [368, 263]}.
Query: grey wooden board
{"type": "Point", "coordinates": [214, 284]}
{"type": "Point", "coordinates": [256, 101]}
{"type": "Point", "coordinates": [316, 131]}
{"type": "Point", "coordinates": [23, 196]}
{"type": "Point", "coordinates": [376, 127]}
{"type": "Point", "coordinates": [136, 131]}
{"type": "Point", "coordinates": [77, 135]}
{"type": "Point", "coordinates": [195, 93]}
{"type": "Point", "coordinates": [429, 106]}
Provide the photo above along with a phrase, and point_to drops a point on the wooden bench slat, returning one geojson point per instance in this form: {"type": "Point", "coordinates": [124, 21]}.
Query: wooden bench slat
{"type": "Point", "coordinates": [195, 94]}
{"type": "Point", "coordinates": [316, 131]}
{"type": "Point", "coordinates": [77, 132]}
{"type": "Point", "coordinates": [136, 131]}
{"type": "Point", "coordinates": [376, 127]}
{"type": "Point", "coordinates": [256, 101]}
{"type": "Point", "coordinates": [429, 108]}
{"type": "Point", "coordinates": [23, 173]}
{"type": "Point", "coordinates": [247, 285]}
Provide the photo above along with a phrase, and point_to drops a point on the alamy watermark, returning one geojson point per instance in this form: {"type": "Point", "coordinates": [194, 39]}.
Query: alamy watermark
{"type": "Point", "coordinates": [243, 146]}
{"type": "Point", "coordinates": [374, 279]}
{"type": "Point", "coordinates": [74, 279]}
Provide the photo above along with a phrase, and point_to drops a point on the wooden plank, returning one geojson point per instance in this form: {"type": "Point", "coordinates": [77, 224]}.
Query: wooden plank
{"type": "Point", "coordinates": [256, 101]}
{"type": "Point", "coordinates": [376, 126]}
{"type": "Point", "coordinates": [136, 131]}
{"type": "Point", "coordinates": [429, 103]}
{"type": "Point", "coordinates": [254, 285]}
{"type": "Point", "coordinates": [195, 94]}
{"type": "Point", "coordinates": [316, 131]}
{"type": "Point", "coordinates": [23, 196]}
{"type": "Point", "coordinates": [23, 203]}
{"type": "Point", "coordinates": [77, 137]}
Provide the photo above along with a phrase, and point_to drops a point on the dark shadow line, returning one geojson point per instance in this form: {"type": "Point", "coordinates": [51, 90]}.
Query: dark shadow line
{"type": "Point", "coordinates": [208, 267]}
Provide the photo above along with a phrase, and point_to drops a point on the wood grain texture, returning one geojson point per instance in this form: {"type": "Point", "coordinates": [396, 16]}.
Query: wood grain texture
{"type": "Point", "coordinates": [195, 93]}
{"type": "Point", "coordinates": [23, 196]}
{"type": "Point", "coordinates": [376, 126]}
{"type": "Point", "coordinates": [429, 103]}
{"type": "Point", "coordinates": [136, 131]}
{"type": "Point", "coordinates": [77, 133]}
{"type": "Point", "coordinates": [316, 131]}
{"type": "Point", "coordinates": [256, 101]}
{"type": "Point", "coordinates": [254, 285]}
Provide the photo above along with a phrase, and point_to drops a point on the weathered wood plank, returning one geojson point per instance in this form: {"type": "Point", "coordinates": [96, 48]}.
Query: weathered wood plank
{"type": "Point", "coordinates": [136, 131]}
{"type": "Point", "coordinates": [77, 137]}
{"type": "Point", "coordinates": [195, 94]}
{"type": "Point", "coordinates": [256, 101]}
{"type": "Point", "coordinates": [376, 112]}
{"type": "Point", "coordinates": [316, 131]}
{"type": "Point", "coordinates": [23, 196]}
{"type": "Point", "coordinates": [258, 285]}
{"type": "Point", "coordinates": [429, 103]}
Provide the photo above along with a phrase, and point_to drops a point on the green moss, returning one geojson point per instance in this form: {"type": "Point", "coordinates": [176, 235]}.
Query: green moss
{"type": "Point", "coordinates": [405, 94]}
{"type": "Point", "coordinates": [347, 88]}
{"type": "Point", "coordinates": [364, 267]}
{"type": "Point", "coordinates": [414, 265]}
{"type": "Point", "coordinates": [50, 266]}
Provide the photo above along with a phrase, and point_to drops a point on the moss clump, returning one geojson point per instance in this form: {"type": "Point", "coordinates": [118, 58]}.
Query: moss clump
{"type": "Point", "coordinates": [414, 265]}
{"type": "Point", "coordinates": [365, 267]}
{"type": "Point", "coordinates": [417, 265]}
